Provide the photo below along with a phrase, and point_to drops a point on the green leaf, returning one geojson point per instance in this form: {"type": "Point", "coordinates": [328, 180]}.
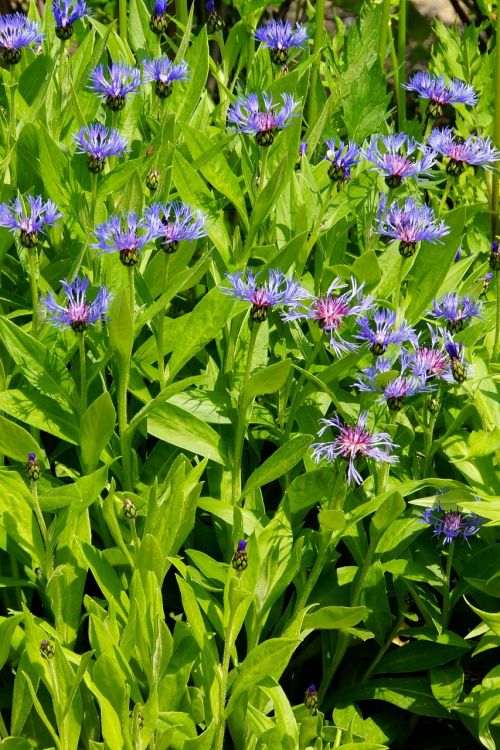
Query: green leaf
{"type": "Point", "coordinates": [15, 442]}
{"type": "Point", "coordinates": [419, 655]}
{"type": "Point", "coordinates": [334, 618]}
{"type": "Point", "coordinates": [281, 461]}
{"type": "Point", "coordinates": [267, 380]}
{"type": "Point", "coordinates": [447, 684]}
{"type": "Point", "coordinates": [96, 429]}
{"type": "Point", "coordinates": [41, 412]}
{"type": "Point", "coordinates": [120, 325]}
{"type": "Point", "coordinates": [106, 578]}
{"type": "Point", "coordinates": [265, 203]}
{"type": "Point", "coordinates": [411, 694]}
{"type": "Point", "coordinates": [177, 426]}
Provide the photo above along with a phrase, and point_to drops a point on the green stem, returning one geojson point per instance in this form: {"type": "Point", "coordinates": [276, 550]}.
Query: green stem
{"type": "Point", "coordinates": [34, 286]}
{"type": "Point", "coordinates": [497, 321]}
{"type": "Point", "coordinates": [131, 290]}
{"type": "Point", "coordinates": [60, 83]}
{"type": "Point", "coordinates": [384, 30]}
{"type": "Point", "coordinates": [241, 419]}
{"type": "Point", "coordinates": [83, 373]}
{"type": "Point", "coordinates": [496, 137]}
{"type": "Point", "coordinates": [447, 585]}
{"type": "Point", "coordinates": [135, 538]}
{"type": "Point", "coordinates": [401, 94]}
{"type": "Point", "coordinates": [90, 225]}
{"type": "Point", "coordinates": [123, 424]}
{"type": "Point", "coordinates": [315, 573]}
{"type": "Point", "coordinates": [228, 644]}
{"type": "Point", "coordinates": [382, 650]}
{"type": "Point", "coordinates": [262, 171]}
{"type": "Point", "coordinates": [43, 529]}
{"type": "Point", "coordinates": [317, 224]}
{"type": "Point", "coordinates": [161, 322]}
{"type": "Point", "coordinates": [444, 197]}
{"type": "Point", "coordinates": [122, 19]}
{"type": "Point", "coordinates": [12, 112]}
{"type": "Point", "coordinates": [297, 396]}
{"type": "Point", "coordinates": [428, 438]}
{"type": "Point", "coordinates": [397, 291]}
{"type": "Point", "coordinates": [319, 20]}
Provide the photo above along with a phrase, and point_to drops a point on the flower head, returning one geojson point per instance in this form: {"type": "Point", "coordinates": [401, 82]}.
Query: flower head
{"type": "Point", "coordinates": [66, 13]}
{"type": "Point", "coordinates": [123, 80]}
{"type": "Point", "coordinates": [353, 443]}
{"type": "Point", "coordinates": [99, 142]}
{"type": "Point", "coordinates": [430, 362]}
{"type": "Point", "coordinates": [459, 368]}
{"type": "Point", "coordinates": [16, 32]}
{"type": "Point", "coordinates": [278, 291]}
{"type": "Point", "coordinates": [248, 118]}
{"type": "Point", "coordinates": [455, 310]}
{"type": "Point", "coordinates": [164, 72]}
{"type": "Point", "coordinates": [476, 151]}
{"type": "Point", "coordinates": [384, 331]}
{"type": "Point", "coordinates": [123, 234]}
{"type": "Point", "coordinates": [397, 389]}
{"type": "Point", "coordinates": [78, 312]}
{"type": "Point", "coordinates": [342, 158]}
{"type": "Point", "coordinates": [215, 22]}
{"type": "Point", "coordinates": [33, 470]}
{"type": "Point", "coordinates": [439, 92]}
{"type": "Point", "coordinates": [173, 223]}
{"type": "Point", "coordinates": [311, 697]}
{"type": "Point", "coordinates": [333, 309]}
{"type": "Point", "coordinates": [397, 160]}
{"type": "Point", "coordinates": [279, 36]}
{"type": "Point", "coordinates": [486, 283]}
{"type": "Point", "coordinates": [240, 557]}
{"type": "Point", "coordinates": [29, 223]}
{"type": "Point", "coordinates": [409, 223]}
{"type": "Point", "coordinates": [452, 524]}
{"type": "Point", "coordinates": [158, 21]}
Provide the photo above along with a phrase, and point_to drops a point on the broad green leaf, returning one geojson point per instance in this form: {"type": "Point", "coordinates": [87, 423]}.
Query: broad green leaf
{"type": "Point", "coordinates": [96, 429]}
{"type": "Point", "coordinates": [16, 442]}
{"type": "Point", "coordinates": [267, 380]}
{"type": "Point", "coordinates": [176, 426]}
{"type": "Point", "coordinates": [447, 684]}
{"type": "Point", "coordinates": [41, 412]}
{"type": "Point", "coordinates": [419, 655]}
{"type": "Point", "coordinates": [281, 461]}
{"type": "Point", "coordinates": [120, 325]}
{"type": "Point", "coordinates": [334, 618]}
{"type": "Point", "coordinates": [411, 694]}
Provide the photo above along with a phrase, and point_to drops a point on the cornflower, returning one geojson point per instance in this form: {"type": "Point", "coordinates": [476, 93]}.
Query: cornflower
{"type": "Point", "coordinates": [431, 361]}
{"type": "Point", "coordinates": [99, 142]}
{"type": "Point", "coordinates": [452, 524]}
{"type": "Point", "coordinates": [15, 217]}
{"type": "Point", "coordinates": [66, 14]}
{"type": "Point", "coordinates": [123, 80]}
{"type": "Point", "coordinates": [125, 235]}
{"type": "Point", "coordinates": [277, 292]}
{"type": "Point", "coordinates": [248, 118]}
{"type": "Point", "coordinates": [385, 330]}
{"type": "Point", "coordinates": [78, 313]}
{"type": "Point", "coordinates": [16, 32]}
{"type": "Point", "coordinates": [476, 151]}
{"type": "Point", "coordinates": [409, 223]}
{"type": "Point", "coordinates": [486, 283]}
{"type": "Point", "coordinates": [158, 21]}
{"type": "Point", "coordinates": [164, 72]}
{"type": "Point", "coordinates": [279, 36]}
{"type": "Point", "coordinates": [459, 368]}
{"type": "Point", "coordinates": [332, 311]}
{"type": "Point", "coordinates": [354, 443]}
{"type": "Point", "coordinates": [455, 310]}
{"type": "Point", "coordinates": [342, 158]}
{"type": "Point", "coordinates": [395, 391]}
{"type": "Point", "coordinates": [395, 162]}
{"type": "Point", "coordinates": [215, 22]}
{"type": "Point", "coordinates": [439, 92]}
{"type": "Point", "coordinates": [174, 222]}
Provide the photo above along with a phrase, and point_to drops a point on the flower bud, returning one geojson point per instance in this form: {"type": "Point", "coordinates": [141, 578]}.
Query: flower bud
{"type": "Point", "coordinates": [153, 179]}
{"type": "Point", "coordinates": [495, 256]}
{"type": "Point", "coordinates": [33, 471]}
{"type": "Point", "coordinates": [240, 558]}
{"type": "Point", "coordinates": [47, 649]}
{"type": "Point", "coordinates": [311, 697]}
{"type": "Point", "coordinates": [129, 509]}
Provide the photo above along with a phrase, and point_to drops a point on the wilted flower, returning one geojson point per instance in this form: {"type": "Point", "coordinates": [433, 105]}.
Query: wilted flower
{"type": "Point", "coordinates": [354, 443]}
{"type": "Point", "coordinates": [409, 223]}
{"type": "Point", "coordinates": [173, 223]}
{"type": "Point", "coordinates": [164, 72]}
{"type": "Point", "coordinates": [394, 161]}
{"type": "Point", "coordinates": [66, 13]}
{"type": "Point", "coordinates": [123, 80]}
{"type": "Point", "coordinates": [342, 158]}
{"type": "Point", "coordinates": [452, 524]}
{"type": "Point", "coordinates": [396, 390]}
{"type": "Point", "coordinates": [15, 217]}
{"type": "Point", "coordinates": [240, 558]}
{"type": "Point", "coordinates": [311, 697]}
{"type": "Point", "coordinates": [439, 92]}
{"type": "Point", "coordinates": [248, 118]}
{"type": "Point", "coordinates": [16, 32]}
{"type": "Point", "coordinates": [279, 36]}
{"type": "Point", "coordinates": [278, 291]}
{"type": "Point", "coordinates": [486, 283]}
{"type": "Point", "coordinates": [332, 310]}
{"type": "Point", "coordinates": [33, 471]}
{"type": "Point", "coordinates": [215, 21]}
{"type": "Point", "coordinates": [99, 142]}
{"type": "Point", "coordinates": [78, 312]}
{"type": "Point", "coordinates": [455, 310]}
{"type": "Point", "coordinates": [123, 234]}
{"type": "Point", "coordinates": [476, 151]}
{"type": "Point", "coordinates": [457, 360]}
{"type": "Point", "coordinates": [495, 256]}
{"type": "Point", "coordinates": [158, 21]}
{"type": "Point", "coordinates": [385, 331]}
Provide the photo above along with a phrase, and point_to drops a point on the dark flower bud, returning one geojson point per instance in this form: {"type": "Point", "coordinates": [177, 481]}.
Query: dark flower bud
{"type": "Point", "coordinates": [278, 56]}
{"type": "Point", "coordinates": [311, 697]}
{"type": "Point", "coordinates": [215, 21]}
{"type": "Point", "coordinates": [47, 649]}
{"type": "Point", "coordinates": [240, 558]}
{"type": "Point", "coordinates": [393, 180]}
{"type": "Point", "coordinates": [163, 89]}
{"type": "Point", "coordinates": [265, 137]}
{"type": "Point", "coordinates": [153, 179]}
{"type": "Point", "coordinates": [455, 168]}
{"type": "Point", "coordinates": [433, 405]}
{"type": "Point", "coordinates": [407, 249]}
{"type": "Point", "coordinates": [129, 509]}
{"type": "Point", "coordinates": [28, 239]}
{"type": "Point", "coordinates": [64, 32]}
{"type": "Point", "coordinates": [495, 256]}
{"type": "Point", "coordinates": [33, 471]}
{"type": "Point", "coordinates": [129, 256]}
{"type": "Point", "coordinates": [458, 370]}
{"type": "Point", "coordinates": [95, 164]}
{"type": "Point", "coordinates": [115, 103]}
{"type": "Point", "coordinates": [12, 56]}
{"type": "Point", "coordinates": [158, 23]}
{"type": "Point", "coordinates": [395, 403]}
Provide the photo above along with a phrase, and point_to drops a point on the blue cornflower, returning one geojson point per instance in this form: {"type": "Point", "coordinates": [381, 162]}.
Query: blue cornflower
{"type": "Point", "coordinates": [311, 697]}
{"type": "Point", "coordinates": [164, 72]}
{"type": "Point", "coordinates": [342, 158]}
{"type": "Point", "coordinates": [279, 36]}
{"type": "Point", "coordinates": [332, 310]}
{"type": "Point", "coordinates": [15, 217]}
{"type": "Point", "coordinates": [353, 443]}
{"type": "Point", "coordinates": [123, 80]}
{"type": "Point", "coordinates": [452, 524]}
{"type": "Point", "coordinates": [66, 13]}
{"type": "Point", "coordinates": [78, 312]}
{"type": "Point", "coordinates": [459, 368]}
{"type": "Point", "coordinates": [394, 161]}
{"type": "Point", "coordinates": [99, 142]}
{"type": "Point", "coordinates": [476, 151]}
{"type": "Point", "coordinates": [386, 331]}
{"type": "Point", "coordinates": [173, 223]}
{"type": "Point", "coordinates": [455, 310]}
{"type": "Point", "coordinates": [409, 223]}
{"type": "Point", "coordinates": [247, 117]}
{"type": "Point", "coordinates": [439, 92]}
{"type": "Point", "coordinates": [125, 235]}
{"type": "Point", "coordinates": [278, 291]}
{"type": "Point", "coordinates": [396, 390]}
{"type": "Point", "coordinates": [16, 32]}
{"type": "Point", "coordinates": [430, 361]}
{"type": "Point", "coordinates": [158, 21]}
{"type": "Point", "coordinates": [302, 152]}
{"type": "Point", "coordinates": [215, 22]}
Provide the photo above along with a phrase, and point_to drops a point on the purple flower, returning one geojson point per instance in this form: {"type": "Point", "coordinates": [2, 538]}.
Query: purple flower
{"type": "Point", "coordinates": [66, 13]}
{"type": "Point", "coordinates": [311, 697]}
{"type": "Point", "coordinates": [396, 390]}
{"type": "Point", "coordinates": [394, 161]}
{"type": "Point", "coordinates": [16, 32]}
{"type": "Point", "coordinates": [278, 291]}
{"type": "Point", "coordinates": [248, 118]}
{"type": "Point", "coordinates": [455, 310]}
{"type": "Point", "coordinates": [279, 37]}
{"type": "Point", "coordinates": [353, 443]}
{"type": "Point", "coordinates": [440, 93]}
{"type": "Point", "coordinates": [452, 524]}
{"type": "Point", "coordinates": [459, 368]}
{"type": "Point", "coordinates": [495, 256]}
{"type": "Point", "coordinates": [123, 80]}
{"type": "Point", "coordinates": [409, 223]}
{"type": "Point", "coordinates": [486, 283]}
{"type": "Point", "coordinates": [158, 21]}
{"type": "Point", "coordinates": [99, 142]}
{"type": "Point", "coordinates": [458, 255]}
{"type": "Point", "coordinates": [303, 148]}
{"type": "Point", "coordinates": [332, 310]}
{"type": "Point", "coordinates": [385, 332]}
{"type": "Point", "coordinates": [15, 217]}
{"type": "Point", "coordinates": [123, 234]}
{"type": "Point", "coordinates": [476, 151]}
{"type": "Point", "coordinates": [342, 158]}
{"type": "Point", "coordinates": [78, 312]}
{"type": "Point", "coordinates": [430, 361]}
{"type": "Point", "coordinates": [215, 21]}
{"type": "Point", "coordinates": [164, 72]}
{"type": "Point", "coordinates": [174, 222]}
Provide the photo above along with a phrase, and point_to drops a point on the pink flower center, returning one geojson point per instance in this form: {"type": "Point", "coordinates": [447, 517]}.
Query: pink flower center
{"type": "Point", "coordinates": [353, 442]}
{"type": "Point", "coordinates": [266, 121]}
{"type": "Point", "coordinates": [261, 298]}
{"type": "Point", "coordinates": [452, 523]}
{"type": "Point", "coordinates": [457, 152]}
{"type": "Point", "coordinates": [78, 311]}
{"type": "Point", "coordinates": [330, 312]}
{"type": "Point", "coordinates": [397, 165]}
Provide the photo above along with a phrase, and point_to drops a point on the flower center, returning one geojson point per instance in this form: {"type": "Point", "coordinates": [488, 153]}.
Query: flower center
{"type": "Point", "coordinates": [330, 313]}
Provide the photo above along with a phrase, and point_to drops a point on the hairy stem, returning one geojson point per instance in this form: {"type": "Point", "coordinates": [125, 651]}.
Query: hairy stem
{"type": "Point", "coordinates": [83, 373]}
{"type": "Point", "coordinates": [161, 323]}
{"type": "Point", "coordinates": [241, 419]}
{"type": "Point", "coordinates": [447, 586]}
{"type": "Point", "coordinates": [384, 30]}
{"type": "Point", "coordinates": [33, 258]}
{"type": "Point", "coordinates": [319, 20]}
{"type": "Point", "coordinates": [401, 94]}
